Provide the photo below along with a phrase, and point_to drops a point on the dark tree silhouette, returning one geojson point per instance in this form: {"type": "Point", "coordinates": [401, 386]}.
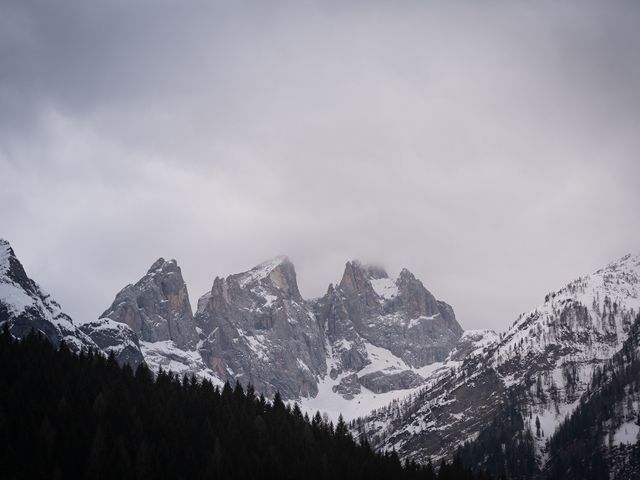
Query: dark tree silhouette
{"type": "Point", "coordinates": [64, 415]}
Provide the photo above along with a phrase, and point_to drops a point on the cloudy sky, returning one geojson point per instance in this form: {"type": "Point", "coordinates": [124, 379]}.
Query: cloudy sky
{"type": "Point", "coordinates": [490, 147]}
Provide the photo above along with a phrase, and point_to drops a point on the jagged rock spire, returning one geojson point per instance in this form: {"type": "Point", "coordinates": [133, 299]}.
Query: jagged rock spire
{"type": "Point", "coordinates": [157, 307]}
{"type": "Point", "coordinates": [277, 272]}
{"type": "Point", "coordinates": [397, 314]}
{"type": "Point", "coordinates": [258, 329]}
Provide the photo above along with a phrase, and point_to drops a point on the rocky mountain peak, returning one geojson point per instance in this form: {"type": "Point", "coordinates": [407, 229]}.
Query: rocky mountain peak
{"type": "Point", "coordinates": [370, 310]}
{"type": "Point", "coordinates": [253, 321]}
{"type": "Point", "coordinates": [156, 265]}
{"type": "Point", "coordinates": [25, 306]}
{"type": "Point", "coordinates": [370, 283]}
{"type": "Point", "coordinates": [414, 298]}
{"type": "Point", "coordinates": [277, 274]}
{"type": "Point", "coordinates": [157, 307]}
{"type": "Point", "coordinates": [162, 265]}
{"type": "Point", "coordinates": [406, 275]}
{"type": "Point", "coordinates": [355, 278]}
{"type": "Point", "coordinates": [12, 269]}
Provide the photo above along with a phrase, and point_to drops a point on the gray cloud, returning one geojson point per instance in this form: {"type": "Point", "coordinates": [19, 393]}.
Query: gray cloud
{"type": "Point", "coordinates": [490, 148]}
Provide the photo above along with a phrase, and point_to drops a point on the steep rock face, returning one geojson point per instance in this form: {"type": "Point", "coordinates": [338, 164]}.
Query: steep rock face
{"type": "Point", "coordinates": [547, 357]}
{"type": "Point", "coordinates": [157, 307]}
{"type": "Point", "coordinates": [368, 335]}
{"type": "Point", "coordinates": [25, 306]}
{"type": "Point", "coordinates": [369, 311]}
{"type": "Point", "coordinates": [400, 315]}
{"type": "Point", "coordinates": [257, 328]}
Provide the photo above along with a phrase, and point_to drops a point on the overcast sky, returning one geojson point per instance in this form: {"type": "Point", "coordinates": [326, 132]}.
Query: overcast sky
{"type": "Point", "coordinates": [490, 147]}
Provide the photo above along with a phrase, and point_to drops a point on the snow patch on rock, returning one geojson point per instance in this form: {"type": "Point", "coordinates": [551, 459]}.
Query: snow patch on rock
{"type": "Point", "coordinates": [386, 288]}
{"type": "Point", "coordinates": [261, 271]}
{"type": "Point", "coordinates": [14, 297]}
{"type": "Point", "coordinates": [626, 434]}
{"type": "Point", "coordinates": [168, 356]}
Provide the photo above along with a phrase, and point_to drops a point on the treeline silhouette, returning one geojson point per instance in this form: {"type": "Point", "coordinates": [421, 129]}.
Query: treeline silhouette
{"type": "Point", "coordinates": [505, 447]}
{"type": "Point", "coordinates": [67, 415]}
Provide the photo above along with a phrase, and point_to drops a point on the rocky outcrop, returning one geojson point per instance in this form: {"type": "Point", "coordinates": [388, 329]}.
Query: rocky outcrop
{"type": "Point", "coordinates": [399, 315]}
{"type": "Point", "coordinates": [157, 307]}
{"type": "Point", "coordinates": [115, 338]}
{"type": "Point", "coordinates": [381, 382]}
{"type": "Point", "coordinates": [257, 329]}
{"type": "Point", "coordinates": [26, 307]}
{"type": "Point", "coordinates": [348, 387]}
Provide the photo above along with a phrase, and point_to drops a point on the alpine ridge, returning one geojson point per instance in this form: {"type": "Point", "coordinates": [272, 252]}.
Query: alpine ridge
{"type": "Point", "coordinates": [26, 307]}
{"type": "Point", "coordinates": [516, 403]}
{"type": "Point", "coordinates": [542, 367]}
{"type": "Point", "coordinates": [255, 327]}
{"type": "Point", "coordinates": [367, 338]}
{"type": "Point", "coordinates": [382, 333]}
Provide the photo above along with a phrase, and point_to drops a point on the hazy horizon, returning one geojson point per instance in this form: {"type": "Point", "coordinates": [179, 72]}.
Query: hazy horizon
{"type": "Point", "coordinates": [194, 296]}
{"type": "Point", "coordinates": [491, 149]}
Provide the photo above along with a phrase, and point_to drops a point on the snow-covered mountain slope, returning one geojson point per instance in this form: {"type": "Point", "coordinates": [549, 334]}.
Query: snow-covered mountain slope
{"type": "Point", "coordinates": [166, 355]}
{"type": "Point", "coordinates": [25, 306]}
{"type": "Point", "coordinates": [473, 343]}
{"type": "Point", "coordinates": [348, 394]}
{"type": "Point", "coordinates": [382, 345]}
{"type": "Point", "coordinates": [548, 355]}
{"type": "Point", "coordinates": [115, 338]}
{"type": "Point", "coordinates": [606, 423]}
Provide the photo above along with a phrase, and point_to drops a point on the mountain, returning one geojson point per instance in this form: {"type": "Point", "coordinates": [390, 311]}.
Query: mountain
{"type": "Point", "coordinates": [368, 333]}
{"type": "Point", "coordinates": [116, 339]}
{"type": "Point", "coordinates": [606, 423]}
{"type": "Point", "coordinates": [82, 416]}
{"type": "Point", "coordinates": [544, 363]}
{"type": "Point", "coordinates": [399, 315]}
{"type": "Point", "coordinates": [383, 336]}
{"type": "Point", "coordinates": [366, 338]}
{"type": "Point", "coordinates": [257, 328]}
{"type": "Point", "coordinates": [157, 311]}
{"type": "Point", "coordinates": [157, 307]}
{"type": "Point", "coordinates": [562, 380]}
{"type": "Point", "coordinates": [24, 306]}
